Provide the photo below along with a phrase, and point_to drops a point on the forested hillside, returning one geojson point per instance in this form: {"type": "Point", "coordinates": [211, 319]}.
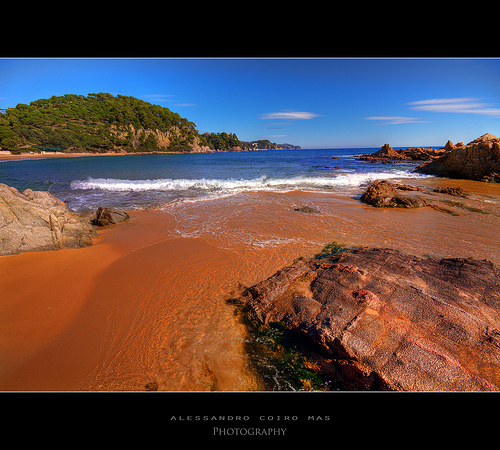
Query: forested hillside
{"type": "Point", "coordinates": [104, 123]}
{"type": "Point", "coordinates": [97, 123]}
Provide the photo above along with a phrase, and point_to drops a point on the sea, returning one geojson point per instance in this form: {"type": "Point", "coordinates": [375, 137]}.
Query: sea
{"type": "Point", "coordinates": [138, 182]}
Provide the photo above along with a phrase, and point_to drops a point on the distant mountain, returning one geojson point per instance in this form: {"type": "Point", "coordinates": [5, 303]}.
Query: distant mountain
{"type": "Point", "coordinates": [265, 144]}
{"type": "Point", "coordinates": [104, 123]}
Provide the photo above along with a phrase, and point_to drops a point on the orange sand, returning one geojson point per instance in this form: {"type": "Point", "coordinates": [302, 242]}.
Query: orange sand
{"type": "Point", "coordinates": [146, 303]}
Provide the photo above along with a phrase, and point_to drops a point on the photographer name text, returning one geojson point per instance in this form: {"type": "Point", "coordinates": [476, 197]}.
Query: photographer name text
{"type": "Point", "coordinates": [246, 418]}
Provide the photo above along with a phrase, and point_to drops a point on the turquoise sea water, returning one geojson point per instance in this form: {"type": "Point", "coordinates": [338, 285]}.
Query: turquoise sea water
{"type": "Point", "coordinates": [146, 181]}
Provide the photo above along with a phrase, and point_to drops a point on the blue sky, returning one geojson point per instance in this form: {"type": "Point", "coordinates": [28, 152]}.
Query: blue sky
{"type": "Point", "coordinates": [314, 103]}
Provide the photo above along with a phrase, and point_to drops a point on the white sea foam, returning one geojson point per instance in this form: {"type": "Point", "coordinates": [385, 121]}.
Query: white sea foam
{"type": "Point", "coordinates": [239, 185]}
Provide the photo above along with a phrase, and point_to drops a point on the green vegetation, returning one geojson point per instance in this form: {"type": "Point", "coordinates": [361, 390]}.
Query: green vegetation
{"type": "Point", "coordinates": [102, 123]}
{"type": "Point", "coordinates": [333, 248]}
{"type": "Point", "coordinates": [283, 359]}
{"type": "Point", "coordinates": [279, 357]}
{"type": "Point", "coordinates": [468, 208]}
{"type": "Point", "coordinates": [444, 210]}
{"type": "Point", "coordinates": [221, 141]}
{"type": "Point", "coordinates": [224, 141]}
{"type": "Point", "coordinates": [95, 123]}
{"type": "Point", "coordinates": [266, 144]}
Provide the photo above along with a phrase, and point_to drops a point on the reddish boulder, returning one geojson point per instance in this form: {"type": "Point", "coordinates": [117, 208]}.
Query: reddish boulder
{"type": "Point", "coordinates": [384, 193]}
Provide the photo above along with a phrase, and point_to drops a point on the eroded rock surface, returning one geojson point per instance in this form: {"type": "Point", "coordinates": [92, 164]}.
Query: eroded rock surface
{"type": "Point", "coordinates": [478, 160]}
{"type": "Point", "coordinates": [387, 320]}
{"type": "Point", "coordinates": [36, 220]}
{"type": "Point", "coordinates": [385, 193]}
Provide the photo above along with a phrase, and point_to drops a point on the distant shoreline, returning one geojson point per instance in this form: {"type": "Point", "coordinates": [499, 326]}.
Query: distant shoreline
{"type": "Point", "coordinates": [6, 156]}
{"type": "Point", "coordinates": [9, 157]}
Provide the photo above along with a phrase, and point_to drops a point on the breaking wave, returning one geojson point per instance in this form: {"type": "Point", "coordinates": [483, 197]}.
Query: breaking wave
{"type": "Point", "coordinates": [349, 180]}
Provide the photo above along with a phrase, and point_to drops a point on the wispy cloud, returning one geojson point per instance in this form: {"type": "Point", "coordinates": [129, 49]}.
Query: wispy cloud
{"type": "Point", "coordinates": [289, 115]}
{"type": "Point", "coordinates": [157, 97]}
{"type": "Point", "coordinates": [277, 125]}
{"type": "Point", "coordinates": [276, 135]}
{"type": "Point", "coordinates": [463, 105]}
{"type": "Point", "coordinates": [396, 120]}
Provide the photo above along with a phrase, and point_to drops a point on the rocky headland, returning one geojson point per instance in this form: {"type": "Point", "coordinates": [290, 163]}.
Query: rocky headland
{"type": "Point", "coordinates": [384, 320]}
{"type": "Point", "coordinates": [387, 154]}
{"type": "Point", "coordinates": [478, 160]}
{"type": "Point", "coordinates": [36, 221]}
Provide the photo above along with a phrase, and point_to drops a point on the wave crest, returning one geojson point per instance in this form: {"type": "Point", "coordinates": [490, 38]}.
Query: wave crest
{"type": "Point", "coordinates": [218, 185]}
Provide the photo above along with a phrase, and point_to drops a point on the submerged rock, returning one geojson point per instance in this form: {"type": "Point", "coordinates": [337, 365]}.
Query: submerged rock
{"type": "Point", "coordinates": [385, 320]}
{"type": "Point", "coordinates": [36, 220]}
{"type": "Point", "coordinates": [307, 209]}
{"type": "Point", "coordinates": [108, 216]}
{"type": "Point", "coordinates": [455, 191]}
{"type": "Point", "coordinates": [478, 160]}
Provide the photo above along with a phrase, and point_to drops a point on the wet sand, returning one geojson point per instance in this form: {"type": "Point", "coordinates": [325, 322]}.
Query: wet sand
{"type": "Point", "coordinates": [146, 303]}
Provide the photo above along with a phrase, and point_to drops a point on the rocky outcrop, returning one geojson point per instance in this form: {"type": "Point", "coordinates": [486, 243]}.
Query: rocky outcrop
{"type": "Point", "coordinates": [108, 216]}
{"type": "Point", "coordinates": [35, 220]}
{"type": "Point", "coordinates": [455, 191]}
{"type": "Point", "coordinates": [160, 140]}
{"type": "Point", "coordinates": [385, 320]}
{"type": "Point", "coordinates": [385, 193]}
{"type": "Point", "coordinates": [478, 160]}
{"type": "Point", "coordinates": [387, 153]}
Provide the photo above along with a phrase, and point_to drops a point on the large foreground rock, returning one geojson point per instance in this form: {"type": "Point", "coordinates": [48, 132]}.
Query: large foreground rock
{"type": "Point", "coordinates": [384, 193]}
{"type": "Point", "coordinates": [387, 320]}
{"type": "Point", "coordinates": [36, 220]}
{"type": "Point", "coordinates": [478, 160]}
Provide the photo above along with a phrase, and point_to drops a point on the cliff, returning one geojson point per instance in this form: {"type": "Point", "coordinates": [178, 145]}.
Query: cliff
{"type": "Point", "coordinates": [478, 160]}
{"type": "Point", "coordinates": [384, 320]}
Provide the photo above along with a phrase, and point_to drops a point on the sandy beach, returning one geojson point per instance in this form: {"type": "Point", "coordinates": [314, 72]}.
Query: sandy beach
{"type": "Point", "coordinates": [7, 156]}
{"type": "Point", "coordinates": [147, 302]}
